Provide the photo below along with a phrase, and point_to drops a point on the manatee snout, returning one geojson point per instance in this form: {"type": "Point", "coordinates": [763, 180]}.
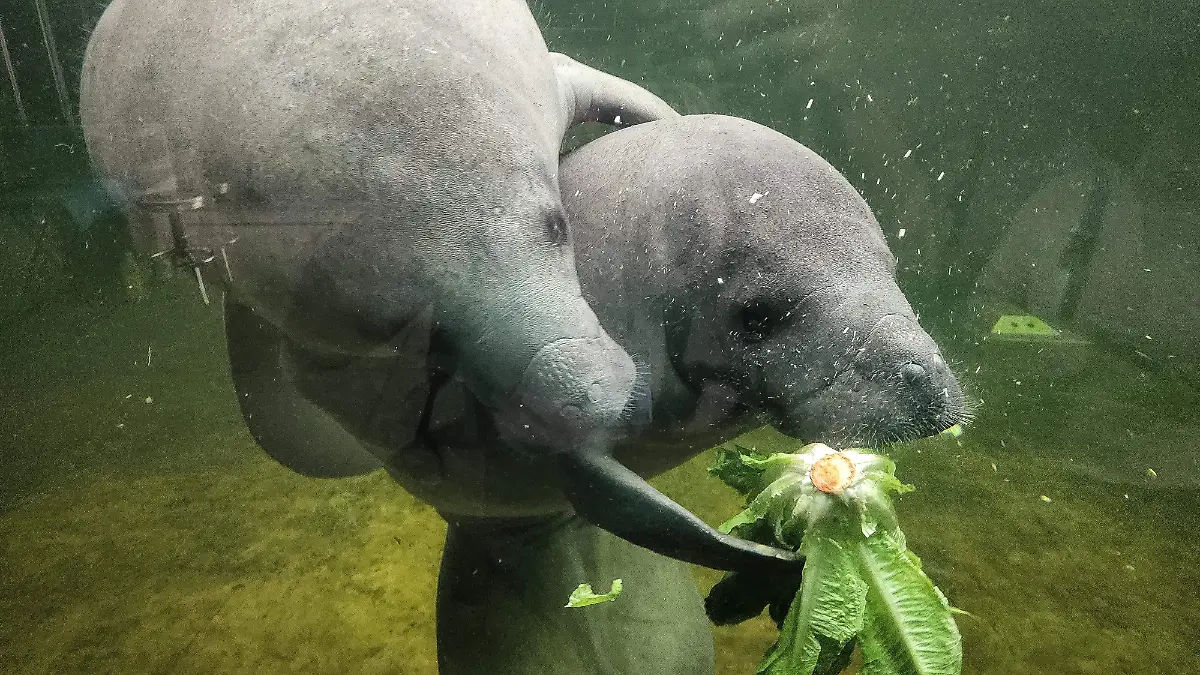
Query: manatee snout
{"type": "Point", "coordinates": [575, 384]}
{"type": "Point", "coordinates": [896, 387]}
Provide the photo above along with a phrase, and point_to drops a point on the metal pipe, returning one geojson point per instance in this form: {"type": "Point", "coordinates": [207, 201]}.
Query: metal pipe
{"type": "Point", "coordinates": [12, 78]}
{"type": "Point", "coordinates": [60, 83]}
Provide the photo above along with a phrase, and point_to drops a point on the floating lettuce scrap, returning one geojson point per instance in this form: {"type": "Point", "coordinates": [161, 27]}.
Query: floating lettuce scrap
{"type": "Point", "coordinates": [860, 583]}
{"type": "Point", "coordinates": [583, 595]}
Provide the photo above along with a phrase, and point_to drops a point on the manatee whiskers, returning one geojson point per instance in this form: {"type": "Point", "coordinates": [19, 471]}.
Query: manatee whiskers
{"type": "Point", "coordinates": [640, 390]}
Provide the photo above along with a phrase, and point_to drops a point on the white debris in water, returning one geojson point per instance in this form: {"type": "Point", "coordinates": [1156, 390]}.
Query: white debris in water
{"type": "Point", "coordinates": [901, 233]}
{"type": "Point", "coordinates": [617, 119]}
{"type": "Point", "coordinates": [941, 175]}
{"type": "Point", "coordinates": [720, 281]}
{"type": "Point", "coordinates": [149, 400]}
{"type": "Point", "coordinates": [755, 197]}
{"type": "Point", "coordinates": [906, 155]}
{"type": "Point", "coordinates": [810, 102]}
{"type": "Point", "coordinates": [869, 99]}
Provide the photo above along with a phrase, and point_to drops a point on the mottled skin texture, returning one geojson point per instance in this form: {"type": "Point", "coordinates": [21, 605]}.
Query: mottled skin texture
{"type": "Point", "coordinates": [381, 180]}
{"type": "Point", "coordinates": [750, 280]}
{"type": "Point", "coordinates": [368, 167]}
{"type": "Point", "coordinates": [379, 193]}
{"type": "Point", "coordinates": [739, 309]}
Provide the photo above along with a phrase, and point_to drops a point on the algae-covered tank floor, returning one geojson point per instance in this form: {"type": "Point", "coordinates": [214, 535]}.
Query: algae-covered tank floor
{"type": "Point", "coordinates": [142, 531]}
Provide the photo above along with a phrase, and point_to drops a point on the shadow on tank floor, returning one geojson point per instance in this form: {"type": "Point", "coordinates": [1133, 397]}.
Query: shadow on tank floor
{"type": "Point", "coordinates": [143, 531]}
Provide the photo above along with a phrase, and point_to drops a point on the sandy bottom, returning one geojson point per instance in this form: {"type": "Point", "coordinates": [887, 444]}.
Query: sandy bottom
{"type": "Point", "coordinates": [142, 531]}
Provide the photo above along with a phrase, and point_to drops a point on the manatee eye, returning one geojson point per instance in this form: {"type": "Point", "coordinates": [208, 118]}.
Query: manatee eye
{"type": "Point", "coordinates": [557, 232]}
{"type": "Point", "coordinates": [758, 320]}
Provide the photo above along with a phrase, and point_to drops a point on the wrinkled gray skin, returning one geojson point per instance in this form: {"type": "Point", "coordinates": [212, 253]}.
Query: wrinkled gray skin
{"type": "Point", "coordinates": [740, 310]}
{"type": "Point", "coordinates": [379, 186]}
{"type": "Point", "coordinates": [403, 154]}
{"type": "Point", "coordinates": [752, 284]}
{"type": "Point", "coordinates": [381, 180]}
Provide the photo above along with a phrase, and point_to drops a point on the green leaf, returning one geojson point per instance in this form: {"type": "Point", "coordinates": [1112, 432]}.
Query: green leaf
{"type": "Point", "coordinates": [583, 595]}
{"type": "Point", "coordinates": [742, 519]}
{"type": "Point", "coordinates": [833, 600]}
{"type": "Point", "coordinates": [827, 612]}
{"type": "Point", "coordinates": [908, 628]}
{"type": "Point", "coordinates": [739, 468]}
{"type": "Point", "coordinates": [765, 501]}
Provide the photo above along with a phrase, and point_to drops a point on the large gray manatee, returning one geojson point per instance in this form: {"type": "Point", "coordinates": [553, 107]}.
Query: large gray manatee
{"type": "Point", "coordinates": [376, 185]}
{"type": "Point", "coordinates": [368, 169]}
{"type": "Point", "coordinates": [752, 285]}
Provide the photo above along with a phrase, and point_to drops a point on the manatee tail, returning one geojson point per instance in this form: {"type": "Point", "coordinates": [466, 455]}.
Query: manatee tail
{"type": "Point", "coordinates": [504, 583]}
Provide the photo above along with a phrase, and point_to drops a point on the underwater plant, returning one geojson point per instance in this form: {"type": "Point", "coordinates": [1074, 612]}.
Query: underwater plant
{"type": "Point", "coordinates": [861, 586]}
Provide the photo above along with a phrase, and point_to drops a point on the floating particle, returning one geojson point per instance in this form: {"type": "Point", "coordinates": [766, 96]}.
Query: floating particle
{"type": "Point", "coordinates": [941, 175]}
{"type": "Point", "coordinates": [755, 197]}
{"type": "Point", "coordinates": [149, 400]}
{"type": "Point", "coordinates": [1151, 473]}
{"type": "Point", "coordinates": [900, 234]}
{"type": "Point", "coordinates": [907, 154]}
{"type": "Point", "coordinates": [810, 102]}
{"type": "Point", "coordinates": [1045, 499]}
{"type": "Point", "coordinates": [617, 119]}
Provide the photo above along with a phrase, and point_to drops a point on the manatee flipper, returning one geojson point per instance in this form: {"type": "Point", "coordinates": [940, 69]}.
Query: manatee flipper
{"type": "Point", "coordinates": [502, 590]}
{"type": "Point", "coordinates": [290, 428]}
{"type": "Point", "coordinates": [608, 494]}
{"type": "Point", "coordinates": [590, 95]}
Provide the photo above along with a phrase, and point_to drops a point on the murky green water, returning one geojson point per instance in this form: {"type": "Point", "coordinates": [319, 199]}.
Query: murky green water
{"type": "Point", "coordinates": [1022, 160]}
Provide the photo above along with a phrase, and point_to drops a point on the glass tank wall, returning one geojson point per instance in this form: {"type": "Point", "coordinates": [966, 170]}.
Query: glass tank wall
{"type": "Point", "coordinates": [1033, 169]}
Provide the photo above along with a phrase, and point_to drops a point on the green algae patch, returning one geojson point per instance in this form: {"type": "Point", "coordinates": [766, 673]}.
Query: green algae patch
{"type": "Point", "coordinates": [861, 586]}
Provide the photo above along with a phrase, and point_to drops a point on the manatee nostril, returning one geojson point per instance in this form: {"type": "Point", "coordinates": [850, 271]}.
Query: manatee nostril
{"type": "Point", "coordinates": [912, 373]}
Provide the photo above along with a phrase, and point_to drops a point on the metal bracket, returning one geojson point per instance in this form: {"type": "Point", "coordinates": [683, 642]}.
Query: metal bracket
{"type": "Point", "coordinates": [181, 254]}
